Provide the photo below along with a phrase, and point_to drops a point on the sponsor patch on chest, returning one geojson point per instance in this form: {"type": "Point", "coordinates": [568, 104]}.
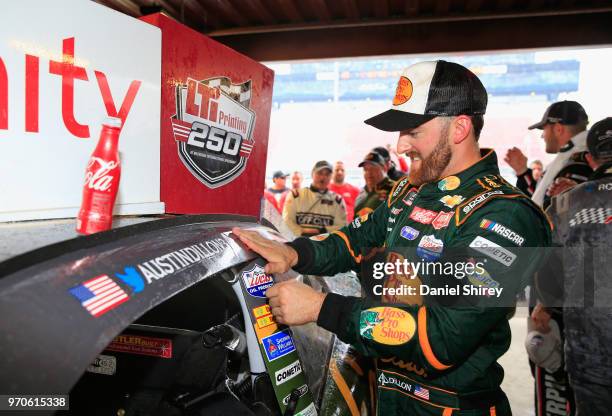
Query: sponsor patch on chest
{"type": "Point", "coordinates": [422, 215]}
{"type": "Point", "coordinates": [430, 248]}
{"type": "Point", "coordinates": [442, 220]}
{"type": "Point", "coordinates": [386, 325]}
{"type": "Point", "coordinates": [480, 199]}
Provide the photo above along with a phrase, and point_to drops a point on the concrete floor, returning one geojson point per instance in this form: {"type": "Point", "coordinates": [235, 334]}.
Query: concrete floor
{"type": "Point", "coordinates": [518, 382]}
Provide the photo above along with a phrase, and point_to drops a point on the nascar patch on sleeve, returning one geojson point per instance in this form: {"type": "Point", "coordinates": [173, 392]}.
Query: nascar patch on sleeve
{"type": "Point", "coordinates": [502, 230]}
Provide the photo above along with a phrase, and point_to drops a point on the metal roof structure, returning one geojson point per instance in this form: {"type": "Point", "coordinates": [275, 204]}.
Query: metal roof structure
{"type": "Point", "coordinates": [269, 30]}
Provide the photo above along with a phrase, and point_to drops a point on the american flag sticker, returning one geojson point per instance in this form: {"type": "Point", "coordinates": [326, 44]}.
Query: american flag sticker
{"type": "Point", "coordinates": [421, 392]}
{"type": "Point", "coordinates": [99, 295]}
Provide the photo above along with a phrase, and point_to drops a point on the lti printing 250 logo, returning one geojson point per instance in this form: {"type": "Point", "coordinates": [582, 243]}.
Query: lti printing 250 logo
{"type": "Point", "coordinates": [213, 128]}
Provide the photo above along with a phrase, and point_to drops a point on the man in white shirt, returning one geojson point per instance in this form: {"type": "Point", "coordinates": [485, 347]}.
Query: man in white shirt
{"type": "Point", "coordinates": [564, 132]}
{"type": "Point", "coordinates": [316, 209]}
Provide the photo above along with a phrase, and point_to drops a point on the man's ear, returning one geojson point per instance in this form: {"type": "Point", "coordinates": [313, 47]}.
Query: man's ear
{"type": "Point", "coordinates": [462, 128]}
{"type": "Point", "coordinates": [591, 160]}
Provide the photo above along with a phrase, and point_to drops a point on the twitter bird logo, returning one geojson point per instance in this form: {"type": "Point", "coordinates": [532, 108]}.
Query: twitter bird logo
{"type": "Point", "coordinates": [132, 278]}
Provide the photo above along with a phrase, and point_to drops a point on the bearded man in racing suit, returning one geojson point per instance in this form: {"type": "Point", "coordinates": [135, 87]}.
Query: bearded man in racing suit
{"type": "Point", "coordinates": [435, 355]}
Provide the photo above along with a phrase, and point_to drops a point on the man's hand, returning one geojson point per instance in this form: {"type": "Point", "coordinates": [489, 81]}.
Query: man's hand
{"type": "Point", "coordinates": [280, 256]}
{"type": "Point", "coordinates": [517, 160]}
{"type": "Point", "coordinates": [560, 185]}
{"type": "Point", "coordinates": [294, 303]}
{"type": "Point", "coordinates": [541, 319]}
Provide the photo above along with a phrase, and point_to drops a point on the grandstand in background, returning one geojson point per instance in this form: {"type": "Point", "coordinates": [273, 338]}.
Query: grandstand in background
{"type": "Point", "coordinates": [368, 79]}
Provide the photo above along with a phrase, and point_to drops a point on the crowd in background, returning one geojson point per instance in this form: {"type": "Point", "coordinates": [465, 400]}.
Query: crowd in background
{"type": "Point", "coordinates": [581, 158]}
{"type": "Point", "coordinates": [330, 202]}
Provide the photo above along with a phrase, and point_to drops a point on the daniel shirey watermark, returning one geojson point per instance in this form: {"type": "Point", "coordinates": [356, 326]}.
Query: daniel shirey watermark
{"type": "Point", "coordinates": [470, 279]}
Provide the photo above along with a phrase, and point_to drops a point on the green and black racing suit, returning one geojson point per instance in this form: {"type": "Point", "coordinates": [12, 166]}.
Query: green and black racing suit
{"type": "Point", "coordinates": [435, 357]}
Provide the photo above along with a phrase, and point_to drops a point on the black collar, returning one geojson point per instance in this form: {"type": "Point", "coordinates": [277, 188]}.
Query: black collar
{"type": "Point", "coordinates": [313, 189]}
{"type": "Point", "coordinates": [568, 146]}
{"type": "Point", "coordinates": [602, 171]}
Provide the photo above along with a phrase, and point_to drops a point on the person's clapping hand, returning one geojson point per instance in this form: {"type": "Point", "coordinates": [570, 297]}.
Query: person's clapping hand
{"type": "Point", "coordinates": [541, 319]}
{"type": "Point", "coordinates": [517, 160]}
{"type": "Point", "coordinates": [560, 185]}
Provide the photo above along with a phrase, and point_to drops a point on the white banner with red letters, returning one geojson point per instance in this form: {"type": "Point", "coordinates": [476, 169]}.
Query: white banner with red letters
{"type": "Point", "coordinates": [64, 66]}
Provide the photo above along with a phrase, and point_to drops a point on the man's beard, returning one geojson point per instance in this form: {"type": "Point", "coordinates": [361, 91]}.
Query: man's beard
{"type": "Point", "coordinates": [432, 167]}
{"type": "Point", "coordinates": [551, 145]}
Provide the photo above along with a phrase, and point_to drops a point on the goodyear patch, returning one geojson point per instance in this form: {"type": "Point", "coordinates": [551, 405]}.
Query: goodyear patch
{"type": "Point", "coordinates": [278, 345]}
{"type": "Point", "coordinates": [256, 281]}
{"type": "Point", "coordinates": [387, 325]}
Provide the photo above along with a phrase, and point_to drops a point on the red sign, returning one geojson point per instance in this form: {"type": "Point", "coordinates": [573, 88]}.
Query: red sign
{"type": "Point", "coordinates": [215, 116]}
{"type": "Point", "coordinates": [136, 344]}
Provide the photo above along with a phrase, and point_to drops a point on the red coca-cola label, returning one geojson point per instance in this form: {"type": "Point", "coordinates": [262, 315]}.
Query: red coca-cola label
{"type": "Point", "coordinates": [101, 184]}
{"type": "Point", "coordinates": [100, 174]}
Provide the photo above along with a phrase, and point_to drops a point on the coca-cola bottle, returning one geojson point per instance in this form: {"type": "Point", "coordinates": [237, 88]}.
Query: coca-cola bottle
{"type": "Point", "coordinates": [101, 181]}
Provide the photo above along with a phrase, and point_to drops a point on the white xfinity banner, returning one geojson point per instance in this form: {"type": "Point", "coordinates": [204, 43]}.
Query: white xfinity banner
{"type": "Point", "coordinates": [65, 66]}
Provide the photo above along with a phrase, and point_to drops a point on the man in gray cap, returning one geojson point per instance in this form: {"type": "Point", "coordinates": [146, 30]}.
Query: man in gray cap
{"type": "Point", "coordinates": [583, 228]}
{"type": "Point", "coordinates": [316, 209]}
{"type": "Point", "coordinates": [564, 132]}
{"type": "Point", "coordinates": [377, 184]}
